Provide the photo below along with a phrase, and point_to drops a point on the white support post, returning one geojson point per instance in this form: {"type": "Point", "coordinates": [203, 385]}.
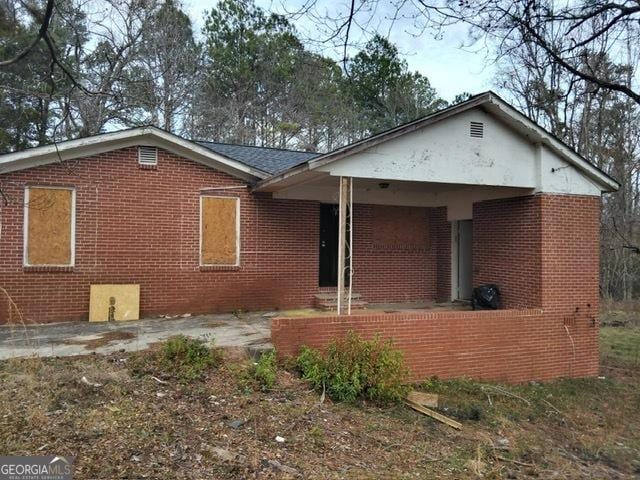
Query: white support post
{"type": "Point", "coordinates": [350, 244]}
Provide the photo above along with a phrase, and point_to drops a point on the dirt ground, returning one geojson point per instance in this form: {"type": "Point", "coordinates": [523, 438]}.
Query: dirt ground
{"type": "Point", "coordinates": [121, 424]}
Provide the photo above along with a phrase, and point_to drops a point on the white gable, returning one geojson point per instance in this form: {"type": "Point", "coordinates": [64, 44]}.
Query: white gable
{"type": "Point", "coordinates": [446, 152]}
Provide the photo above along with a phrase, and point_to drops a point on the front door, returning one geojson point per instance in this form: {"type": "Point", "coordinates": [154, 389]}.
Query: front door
{"type": "Point", "coordinates": [328, 245]}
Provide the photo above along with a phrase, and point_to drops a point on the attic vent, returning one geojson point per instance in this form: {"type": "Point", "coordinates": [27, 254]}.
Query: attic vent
{"type": "Point", "coordinates": [147, 155]}
{"type": "Point", "coordinates": [476, 129]}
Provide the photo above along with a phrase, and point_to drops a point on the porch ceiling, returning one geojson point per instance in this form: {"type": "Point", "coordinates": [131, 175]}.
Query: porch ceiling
{"type": "Point", "coordinates": [459, 198]}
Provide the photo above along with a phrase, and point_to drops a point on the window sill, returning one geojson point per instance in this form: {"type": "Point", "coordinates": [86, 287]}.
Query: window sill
{"type": "Point", "coordinates": [148, 167]}
{"type": "Point", "coordinates": [220, 268]}
{"type": "Point", "coordinates": [47, 269]}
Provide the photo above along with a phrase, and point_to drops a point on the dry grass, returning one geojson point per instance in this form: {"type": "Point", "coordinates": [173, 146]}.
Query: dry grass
{"type": "Point", "coordinates": [134, 426]}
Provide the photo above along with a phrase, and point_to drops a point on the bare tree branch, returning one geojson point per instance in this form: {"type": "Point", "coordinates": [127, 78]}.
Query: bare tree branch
{"type": "Point", "coordinates": [42, 32]}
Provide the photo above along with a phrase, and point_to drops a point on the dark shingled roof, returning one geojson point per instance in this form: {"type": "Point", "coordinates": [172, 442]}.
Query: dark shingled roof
{"type": "Point", "coordinates": [270, 160]}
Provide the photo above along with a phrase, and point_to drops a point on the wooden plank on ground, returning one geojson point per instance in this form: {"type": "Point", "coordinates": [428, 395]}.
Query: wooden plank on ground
{"type": "Point", "coordinates": [433, 414]}
{"type": "Point", "coordinates": [429, 400]}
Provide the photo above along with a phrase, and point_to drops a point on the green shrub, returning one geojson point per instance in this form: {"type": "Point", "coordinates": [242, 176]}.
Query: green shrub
{"type": "Point", "coordinates": [265, 370]}
{"type": "Point", "coordinates": [354, 368]}
{"type": "Point", "coordinates": [188, 357]}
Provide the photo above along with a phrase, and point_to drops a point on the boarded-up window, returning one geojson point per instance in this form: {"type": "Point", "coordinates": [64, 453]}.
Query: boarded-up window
{"type": "Point", "coordinates": [400, 227]}
{"type": "Point", "coordinates": [220, 232]}
{"type": "Point", "coordinates": [49, 226]}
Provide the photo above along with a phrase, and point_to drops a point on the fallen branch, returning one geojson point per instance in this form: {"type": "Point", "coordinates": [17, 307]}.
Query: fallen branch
{"type": "Point", "coordinates": [91, 384]}
{"type": "Point", "coordinates": [504, 392]}
{"type": "Point", "coordinates": [553, 407]}
{"type": "Point", "coordinates": [516, 462]}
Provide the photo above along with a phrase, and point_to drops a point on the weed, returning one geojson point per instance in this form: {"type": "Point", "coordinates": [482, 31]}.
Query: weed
{"type": "Point", "coordinates": [243, 375]}
{"type": "Point", "coordinates": [181, 357]}
{"type": "Point", "coordinates": [353, 368]}
{"type": "Point", "coordinates": [190, 357]}
{"type": "Point", "coordinates": [265, 370]}
{"type": "Point", "coordinates": [317, 435]}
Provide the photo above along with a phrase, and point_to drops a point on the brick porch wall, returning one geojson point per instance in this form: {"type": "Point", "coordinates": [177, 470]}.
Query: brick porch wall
{"type": "Point", "coordinates": [543, 251]}
{"type": "Point", "coordinates": [506, 345]}
{"type": "Point", "coordinates": [141, 226]}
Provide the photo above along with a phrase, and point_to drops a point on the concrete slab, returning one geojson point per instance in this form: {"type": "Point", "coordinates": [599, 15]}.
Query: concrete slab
{"type": "Point", "coordinates": [250, 330]}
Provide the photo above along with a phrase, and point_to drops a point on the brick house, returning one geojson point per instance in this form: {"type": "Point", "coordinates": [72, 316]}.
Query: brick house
{"type": "Point", "coordinates": [476, 193]}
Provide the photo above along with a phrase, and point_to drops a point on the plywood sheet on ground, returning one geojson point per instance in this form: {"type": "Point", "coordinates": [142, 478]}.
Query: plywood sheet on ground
{"type": "Point", "coordinates": [125, 300]}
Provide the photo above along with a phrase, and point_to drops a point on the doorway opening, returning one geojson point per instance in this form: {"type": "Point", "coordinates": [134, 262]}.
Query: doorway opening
{"type": "Point", "coordinates": [328, 267]}
{"type": "Point", "coordinates": [462, 260]}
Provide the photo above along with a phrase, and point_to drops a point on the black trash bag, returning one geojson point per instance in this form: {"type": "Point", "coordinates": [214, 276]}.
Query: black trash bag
{"type": "Point", "coordinates": [486, 297]}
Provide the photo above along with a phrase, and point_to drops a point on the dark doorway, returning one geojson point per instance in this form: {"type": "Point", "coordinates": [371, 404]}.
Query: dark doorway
{"type": "Point", "coordinates": [328, 271]}
{"type": "Point", "coordinates": [328, 245]}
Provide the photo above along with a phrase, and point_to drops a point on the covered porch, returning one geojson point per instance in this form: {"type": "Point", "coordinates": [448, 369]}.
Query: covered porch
{"type": "Point", "coordinates": [475, 194]}
{"type": "Point", "coordinates": [406, 244]}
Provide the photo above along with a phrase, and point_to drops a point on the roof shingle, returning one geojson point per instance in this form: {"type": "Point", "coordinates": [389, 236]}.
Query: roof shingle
{"type": "Point", "coordinates": [270, 160]}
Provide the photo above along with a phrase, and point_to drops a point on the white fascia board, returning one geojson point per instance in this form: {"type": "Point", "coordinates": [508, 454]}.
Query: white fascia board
{"type": "Point", "coordinates": [85, 147]}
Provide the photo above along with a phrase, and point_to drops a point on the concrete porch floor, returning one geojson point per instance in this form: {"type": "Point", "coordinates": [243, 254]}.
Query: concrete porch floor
{"type": "Point", "coordinates": [247, 330]}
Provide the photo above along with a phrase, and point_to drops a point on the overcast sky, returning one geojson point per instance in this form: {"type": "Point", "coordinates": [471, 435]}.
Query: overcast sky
{"type": "Point", "coordinates": [450, 68]}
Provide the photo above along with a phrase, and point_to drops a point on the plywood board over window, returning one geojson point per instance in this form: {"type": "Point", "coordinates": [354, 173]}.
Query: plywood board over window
{"type": "Point", "coordinates": [400, 227]}
{"type": "Point", "coordinates": [219, 231]}
{"type": "Point", "coordinates": [49, 217]}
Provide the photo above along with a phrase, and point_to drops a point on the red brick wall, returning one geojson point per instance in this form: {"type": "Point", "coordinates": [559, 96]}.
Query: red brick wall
{"type": "Point", "coordinates": [543, 252]}
{"type": "Point", "coordinates": [571, 270]}
{"type": "Point", "coordinates": [397, 273]}
{"type": "Point", "coordinates": [141, 226]}
{"type": "Point", "coordinates": [507, 248]}
{"type": "Point", "coordinates": [441, 242]}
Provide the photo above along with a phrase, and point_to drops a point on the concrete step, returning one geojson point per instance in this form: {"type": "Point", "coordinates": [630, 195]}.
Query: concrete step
{"type": "Point", "coordinates": [328, 301]}
{"type": "Point", "coordinates": [329, 306]}
{"type": "Point", "coordinates": [334, 295]}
